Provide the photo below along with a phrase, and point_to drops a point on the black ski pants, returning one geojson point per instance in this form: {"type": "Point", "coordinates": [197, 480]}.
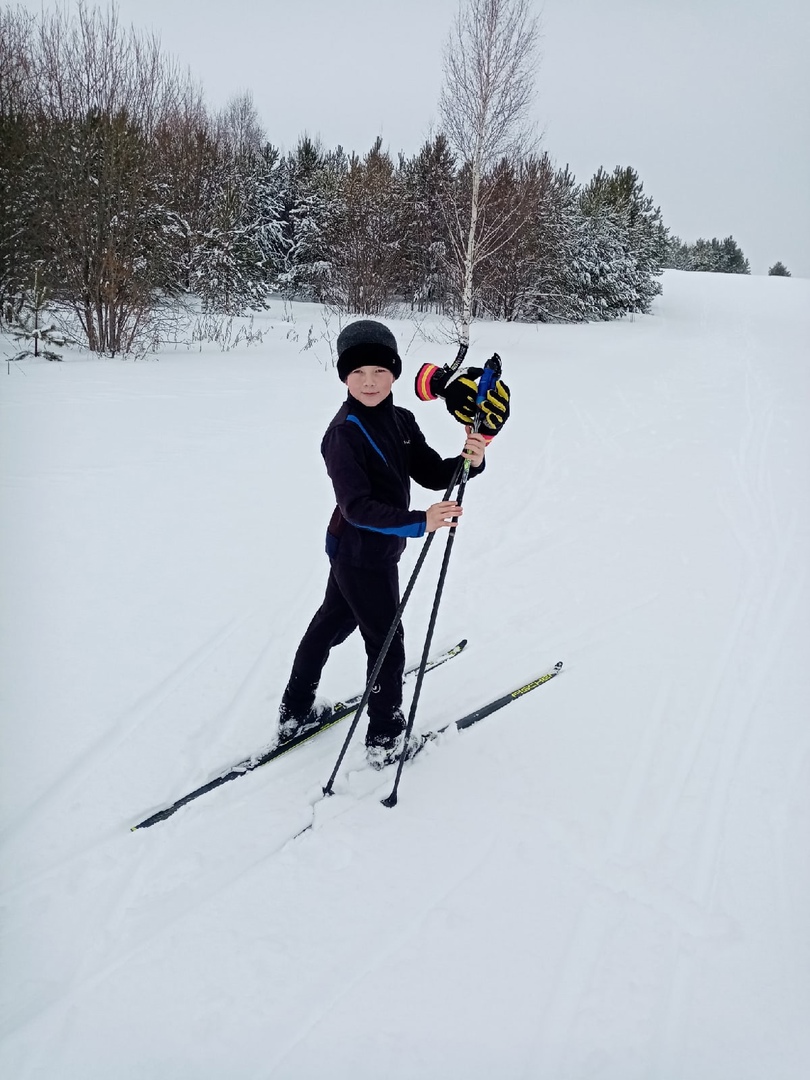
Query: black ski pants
{"type": "Point", "coordinates": [354, 598]}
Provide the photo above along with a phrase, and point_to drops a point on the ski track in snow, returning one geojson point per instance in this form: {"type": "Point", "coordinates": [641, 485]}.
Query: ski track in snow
{"type": "Point", "coordinates": [763, 615]}
{"type": "Point", "coordinates": [615, 891]}
{"type": "Point", "coordinates": [120, 730]}
{"type": "Point", "coordinates": [109, 953]}
{"type": "Point", "coordinates": [380, 959]}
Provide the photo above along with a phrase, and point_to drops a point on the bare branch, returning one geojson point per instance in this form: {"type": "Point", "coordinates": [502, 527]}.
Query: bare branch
{"type": "Point", "coordinates": [489, 63]}
{"type": "Point", "coordinates": [489, 67]}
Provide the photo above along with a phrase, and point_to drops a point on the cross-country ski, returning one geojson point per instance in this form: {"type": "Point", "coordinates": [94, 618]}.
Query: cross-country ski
{"type": "Point", "coordinates": [331, 716]}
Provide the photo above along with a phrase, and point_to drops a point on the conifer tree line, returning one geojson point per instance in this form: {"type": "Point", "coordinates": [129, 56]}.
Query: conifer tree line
{"type": "Point", "coordinates": [121, 194]}
{"type": "Point", "coordinates": [714, 256]}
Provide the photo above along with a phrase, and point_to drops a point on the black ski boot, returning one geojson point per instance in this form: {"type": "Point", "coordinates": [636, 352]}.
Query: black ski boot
{"type": "Point", "coordinates": [299, 712]}
{"type": "Point", "coordinates": [384, 745]}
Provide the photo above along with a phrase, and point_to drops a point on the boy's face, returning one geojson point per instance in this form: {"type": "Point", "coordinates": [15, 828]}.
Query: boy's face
{"type": "Point", "coordinates": [370, 385]}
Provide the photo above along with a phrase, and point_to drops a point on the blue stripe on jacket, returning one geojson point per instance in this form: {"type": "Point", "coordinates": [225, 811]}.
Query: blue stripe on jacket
{"type": "Point", "coordinates": [354, 420]}
{"type": "Point", "coordinates": [413, 531]}
{"type": "Point", "coordinates": [417, 529]}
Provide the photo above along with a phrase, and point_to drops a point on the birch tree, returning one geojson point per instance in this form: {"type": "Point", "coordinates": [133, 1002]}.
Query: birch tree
{"type": "Point", "coordinates": [489, 65]}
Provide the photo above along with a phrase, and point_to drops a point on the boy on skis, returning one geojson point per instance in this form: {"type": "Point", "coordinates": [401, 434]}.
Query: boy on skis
{"type": "Point", "coordinates": [372, 449]}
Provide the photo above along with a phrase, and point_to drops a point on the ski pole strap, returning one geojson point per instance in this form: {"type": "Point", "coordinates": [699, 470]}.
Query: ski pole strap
{"type": "Point", "coordinates": [462, 352]}
{"type": "Point", "coordinates": [431, 379]}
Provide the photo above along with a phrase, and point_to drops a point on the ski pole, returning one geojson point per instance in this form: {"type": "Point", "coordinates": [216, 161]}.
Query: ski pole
{"type": "Point", "coordinates": [372, 679]}
{"type": "Point", "coordinates": [491, 372]}
{"type": "Point", "coordinates": [327, 790]}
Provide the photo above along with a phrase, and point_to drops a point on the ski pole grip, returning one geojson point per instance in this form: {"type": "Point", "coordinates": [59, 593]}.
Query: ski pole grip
{"type": "Point", "coordinates": [485, 385]}
{"type": "Point", "coordinates": [492, 372]}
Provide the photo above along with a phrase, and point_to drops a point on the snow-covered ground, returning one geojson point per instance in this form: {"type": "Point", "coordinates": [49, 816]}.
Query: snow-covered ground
{"type": "Point", "coordinates": [609, 880]}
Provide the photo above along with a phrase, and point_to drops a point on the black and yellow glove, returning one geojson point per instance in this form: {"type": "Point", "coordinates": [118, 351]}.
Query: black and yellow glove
{"type": "Point", "coordinates": [495, 409]}
{"type": "Point", "coordinates": [460, 393]}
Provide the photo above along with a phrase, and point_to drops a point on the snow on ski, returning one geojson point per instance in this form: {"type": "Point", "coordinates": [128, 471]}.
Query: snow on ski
{"type": "Point", "coordinates": [339, 711]}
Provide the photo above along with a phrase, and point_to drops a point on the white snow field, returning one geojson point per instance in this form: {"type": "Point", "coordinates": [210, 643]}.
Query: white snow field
{"type": "Point", "coordinates": [608, 880]}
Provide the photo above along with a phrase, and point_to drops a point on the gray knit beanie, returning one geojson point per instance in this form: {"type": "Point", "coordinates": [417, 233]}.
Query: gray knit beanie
{"type": "Point", "coordinates": [367, 342]}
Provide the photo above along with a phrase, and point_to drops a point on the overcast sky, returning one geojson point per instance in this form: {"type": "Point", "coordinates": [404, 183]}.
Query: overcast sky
{"type": "Point", "coordinates": [709, 100]}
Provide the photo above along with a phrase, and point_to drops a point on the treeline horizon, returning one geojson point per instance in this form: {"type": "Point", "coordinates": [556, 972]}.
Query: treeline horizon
{"type": "Point", "coordinates": [122, 194]}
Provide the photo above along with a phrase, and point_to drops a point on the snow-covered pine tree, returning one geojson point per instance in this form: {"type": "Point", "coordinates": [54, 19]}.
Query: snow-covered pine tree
{"type": "Point", "coordinates": [600, 278]}
{"type": "Point", "coordinates": [704, 256]}
{"type": "Point", "coordinates": [508, 269]}
{"type": "Point", "coordinates": [428, 179]}
{"type": "Point", "coordinates": [19, 236]}
{"type": "Point", "coordinates": [716, 256]}
{"type": "Point", "coordinates": [636, 223]}
{"type": "Point", "coordinates": [306, 189]}
{"type": "Point", "coordinates": [28, 323]}
{"type": "Point", "coordinates": [187, 150]}
{"type": "Point", "coordinates": [270, 209]}
{"type": "Point", "coordinates": [366, 233]}
{"type": "Point", "coordinates": [732, 259]}
{"type": "Point", "coordinates": [677, 255]}
{"type": "Point", "coordinates": [228, 264]}
{"type": "Point", "coordinates": [525, 278]}
{"type": "Point", "coordinates": [228, 261]}
{"type": "Point", "coordinates": [778, 270]}
{"type": "Point", "coordinates": [18, 179]}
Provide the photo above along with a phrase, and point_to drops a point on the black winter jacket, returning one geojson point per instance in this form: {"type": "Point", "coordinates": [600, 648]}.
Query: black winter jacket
{"type": "Point", "coordinates": [371, 455]}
